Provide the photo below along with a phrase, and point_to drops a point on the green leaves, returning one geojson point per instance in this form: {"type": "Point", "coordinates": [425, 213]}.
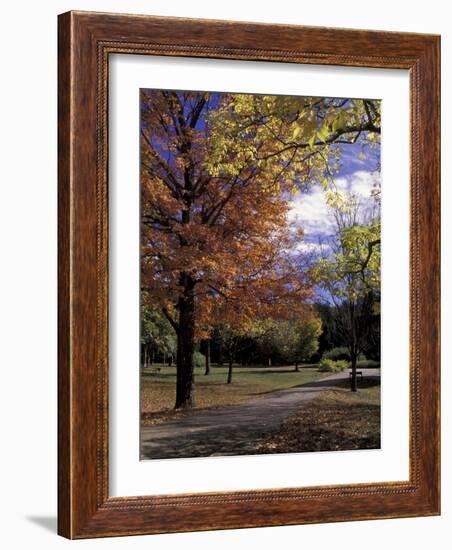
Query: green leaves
{"type": "Point", "coordinates": [323, 133]}
{"type": "Point", "coordinates": [354, 269]}
{"type": "Point", "coordinates": [296, 132]}
{"type": "Point", "coordinates": [156, 329]}
{"type": "Point", "coordinates": [339, 122]}
{"type": "Point", "coordinates": [312, 140]}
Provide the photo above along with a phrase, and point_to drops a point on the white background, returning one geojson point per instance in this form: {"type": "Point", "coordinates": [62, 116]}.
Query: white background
{"type": "Point", "coordinates": [28, 275]}
{"type": "Point", "coordinates": [128, 476]}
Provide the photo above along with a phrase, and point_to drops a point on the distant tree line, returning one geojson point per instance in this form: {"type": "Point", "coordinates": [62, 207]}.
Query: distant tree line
{"type": "Point", "coordinates": [282, 343]}
{"type": "Point", "coordinates": [268, 342]}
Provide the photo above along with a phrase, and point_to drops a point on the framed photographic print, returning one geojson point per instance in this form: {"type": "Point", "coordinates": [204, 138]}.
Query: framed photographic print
{"type": "Point", "coordinates": [248, 275]}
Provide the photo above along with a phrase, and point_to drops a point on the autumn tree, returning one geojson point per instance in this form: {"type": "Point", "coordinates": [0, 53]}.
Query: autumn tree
{"type": "Point", "coordinates": [232, 341]}
{"type": "Point", "coordinates": [217, 174]}
{"type": "Point", "coordinates": [350, 274]}
{"type": "Point", "coordinates": [305, 134]}
{"type": "Point", "coordinates": [298, 339]}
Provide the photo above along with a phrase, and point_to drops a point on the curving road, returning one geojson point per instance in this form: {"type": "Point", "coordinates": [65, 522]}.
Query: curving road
{"type": "Point", "coordinates": [231, 429]}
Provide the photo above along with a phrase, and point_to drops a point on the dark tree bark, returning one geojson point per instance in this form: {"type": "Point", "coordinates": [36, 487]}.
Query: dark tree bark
{"type": "Point", "coordinates": [353, 348]}
{"type": "Point", "coordinates": [353, 384]}
{"type": "Point", "coordinates": [296, 367]}
{"type": "Point", "coordinates": [148, 358]}
{"type": "Point", "coordinates": [230, 370]}
{"type": "Point", "coordinates": [186, 345]}
{"type": "Point", "coordinates": [207, 371]}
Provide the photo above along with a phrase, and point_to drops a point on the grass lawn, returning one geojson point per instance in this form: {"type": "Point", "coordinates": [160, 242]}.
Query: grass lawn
{"type": "Point", "coordinates": [158, 388]}
{"type": "Point", "coordinates": [337, 420]}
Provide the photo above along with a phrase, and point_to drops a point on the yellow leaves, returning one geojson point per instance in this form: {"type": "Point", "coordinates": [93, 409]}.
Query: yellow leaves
{"type": "Point", "coordinates": [297, 131]}
{"type": "Point", "coordinates": [216, 203]}
{"type": "Point", "coordinates": [312, 140]}
{"type": "Point", "coordinates": [354, 268]}
{"type": "Point", "coordinates": [339, 121]}
{"type": "Point", "coordinates": [323, 133]}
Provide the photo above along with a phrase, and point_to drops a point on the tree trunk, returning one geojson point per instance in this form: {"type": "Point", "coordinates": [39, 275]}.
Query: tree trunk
{"type": "Point", "coordinates": [296, 367]}
{"type": "Point", "coordinates": [185, 346]}
{"type": "Point", "coordinates": [353, 352]}
{"type": "Point", "coordinates": [353, 384]}
{"type": "Point", "coordinates": [230, 370]}
{"type": "Point", "coordinates": [269, 361]}
{"type": "Point", "coordinates": [207, 371]}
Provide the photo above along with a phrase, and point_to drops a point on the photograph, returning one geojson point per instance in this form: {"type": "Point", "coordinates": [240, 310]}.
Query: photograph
{"type": "Point", "coordinates": [259, 267]}
{"type": "Point", "coordinates": [223, 256]}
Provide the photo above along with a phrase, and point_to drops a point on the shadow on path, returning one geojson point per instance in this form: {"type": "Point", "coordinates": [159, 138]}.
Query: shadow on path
{"type": "Point", "coordinates": [231, 429]}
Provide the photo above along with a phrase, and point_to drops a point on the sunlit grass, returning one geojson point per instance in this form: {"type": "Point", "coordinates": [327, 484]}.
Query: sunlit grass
{"type": "Point", "coordinates": [158, 387]}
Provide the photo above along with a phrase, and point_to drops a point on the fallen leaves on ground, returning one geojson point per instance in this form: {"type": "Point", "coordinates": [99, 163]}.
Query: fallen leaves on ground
{"type": "Point", "coordinates": [338, 420]}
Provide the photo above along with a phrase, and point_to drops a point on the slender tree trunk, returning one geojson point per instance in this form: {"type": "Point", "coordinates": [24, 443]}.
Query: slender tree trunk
{"type": "Point", "coordinates": [269, 361]}
{"type": "Point", "coordinates": [353, 384]}
{"type": "Point", "coordinates": [186, 346]}
{"type": "Point", "coordinates": [353, 354]}
{"type": "Point", "coordinates": [230, 370]}
{"type": "Point", "coordinates": [296, 367]}
{"type": "Point", "coordinates": [207, 371]}
{"type": "Point", "coordinates": [164, 358]}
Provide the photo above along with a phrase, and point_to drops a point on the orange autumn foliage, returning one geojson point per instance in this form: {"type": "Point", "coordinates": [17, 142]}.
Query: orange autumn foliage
{"type": "Point", "coordinates": [226, 229]}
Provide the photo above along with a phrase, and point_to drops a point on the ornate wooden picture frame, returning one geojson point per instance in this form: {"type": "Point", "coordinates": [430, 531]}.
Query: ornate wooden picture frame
{"type": "Point", "coordinates": [86, 40]}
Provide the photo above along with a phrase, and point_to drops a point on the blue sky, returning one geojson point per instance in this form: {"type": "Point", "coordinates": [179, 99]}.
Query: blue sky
{"type": "Point", "coordinates": [310, 210]}
{"type": "Point", "coordinates": [358, 174]}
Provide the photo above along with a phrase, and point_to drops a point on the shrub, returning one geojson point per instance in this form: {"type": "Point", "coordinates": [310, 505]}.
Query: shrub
{"type": "Point", "coordinates": [199, 359]}
{"type": "Point", "coordinates": [337, 354]}
{"type": "Point", "coordinates": [368, 364]}
{"type": "Point", "coordinates": [341, 354]}
{"type": "Point", "coordinates": [328, 365]}
{"type": "Point", "coordinates": [341, 365]}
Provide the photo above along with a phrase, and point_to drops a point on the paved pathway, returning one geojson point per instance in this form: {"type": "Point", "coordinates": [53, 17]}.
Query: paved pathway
{"type": "Point", "coordinates": [231, 429]}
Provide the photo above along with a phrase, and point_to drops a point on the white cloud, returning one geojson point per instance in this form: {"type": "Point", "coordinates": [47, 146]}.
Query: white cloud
{"type": "Point", "coordinates": [360, 183]}
{"type": "Point", "coordinates": [310, 211]}
{"type": "Point", "coordinates": [317, 248]}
